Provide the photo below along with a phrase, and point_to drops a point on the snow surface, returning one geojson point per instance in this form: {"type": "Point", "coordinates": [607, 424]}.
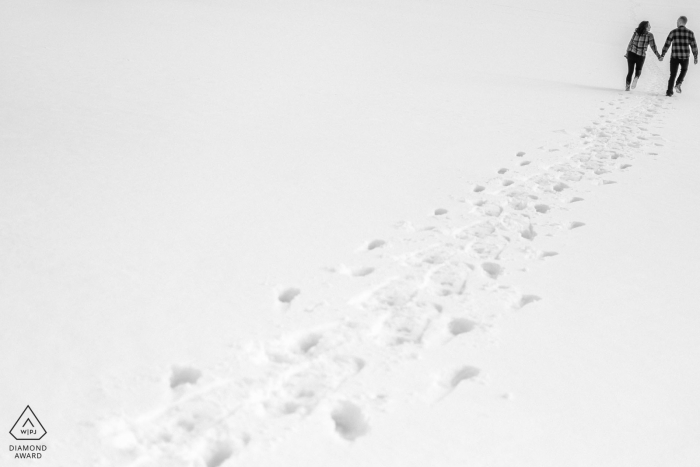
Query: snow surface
{"type": "Point", "coordinates": [347, 233]}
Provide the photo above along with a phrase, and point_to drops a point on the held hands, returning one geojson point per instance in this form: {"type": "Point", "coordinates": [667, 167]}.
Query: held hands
{"type": "Point", "coordinates": [696, 60]}
{"type": "Point", "coordinates": [661, 58]}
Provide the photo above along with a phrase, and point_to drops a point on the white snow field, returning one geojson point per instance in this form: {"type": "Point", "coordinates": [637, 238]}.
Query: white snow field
{"type": "Point", "coordinates": [350, 233]}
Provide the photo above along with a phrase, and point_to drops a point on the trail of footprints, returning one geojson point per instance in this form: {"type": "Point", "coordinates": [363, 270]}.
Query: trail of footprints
{"type": "Point", "coordinates": [440, 282]}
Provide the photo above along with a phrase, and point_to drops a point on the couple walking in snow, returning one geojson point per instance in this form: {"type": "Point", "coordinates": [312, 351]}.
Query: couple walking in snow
{"type": "Point", "coordinates": [681, 38]}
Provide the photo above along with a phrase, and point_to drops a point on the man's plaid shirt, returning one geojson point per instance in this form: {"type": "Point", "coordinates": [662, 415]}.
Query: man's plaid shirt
{"type": "Point", "coordinates": [681, 38]}
{"type": "Point", "coordinates": [638, 44]}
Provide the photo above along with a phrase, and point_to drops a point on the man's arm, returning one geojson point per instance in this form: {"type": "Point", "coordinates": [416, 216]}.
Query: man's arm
{"type": "Point", "coordinates": [694, 46]}
{"type": "Point", "coordinates": [669, 39]}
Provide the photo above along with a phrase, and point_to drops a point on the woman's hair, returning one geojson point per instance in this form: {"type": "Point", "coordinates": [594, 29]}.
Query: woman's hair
{"type": "Point", "coordinates": [643, 26]}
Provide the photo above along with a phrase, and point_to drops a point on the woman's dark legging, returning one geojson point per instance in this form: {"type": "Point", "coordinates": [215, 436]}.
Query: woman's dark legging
{"type": "Point", "coordinates": [634, 60]}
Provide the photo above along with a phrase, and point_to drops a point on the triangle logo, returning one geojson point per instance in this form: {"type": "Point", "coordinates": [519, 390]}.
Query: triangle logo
{"type": "Point", "coordinates": [28, 427]}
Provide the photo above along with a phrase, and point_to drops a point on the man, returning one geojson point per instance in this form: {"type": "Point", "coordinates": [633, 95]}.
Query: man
{"type": "Point", "coordinates": [680, 56]}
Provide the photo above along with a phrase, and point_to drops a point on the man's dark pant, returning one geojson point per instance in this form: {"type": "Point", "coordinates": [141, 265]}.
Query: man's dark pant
{"type": "Point", "coordinates": [675, 62]}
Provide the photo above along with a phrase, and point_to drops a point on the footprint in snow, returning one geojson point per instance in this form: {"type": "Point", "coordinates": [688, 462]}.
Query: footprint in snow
{"type": "Point", "coordinates": [542, 208]}
{"type": "Point", "coordinates": [447, 381]}
{"type": "Point", "coordinates": [288, 295]}
{"type": "Point", "coordinates": [374, 244]}
{"type": "Point", "coordinates": [490, 209]}
{"type": "Point", "coordinates": [481, 230]}
{"type": "Point", "coordinates": [487, 250]}
{"type": "Point", "coordinates": [450, 279]}
{"type": "Point", "coordinates": [308, 342]}
{"type": "Point", "coordinates": [507, 182]}
{"type": "Point", "coordinates": [182, 375]}
{"type": "Point", "coordinates": [478, 189]}
{"type": "Point", "coordinates": [219, 453]}
{"type": "Point", "coordinates": [396, 293]}
{"type": "Point", "coordinates": [458, 326]}
{"type": "Point", "coordinates": [362, 272]}
{"type": "Point", "coordinates": [303, 387]}
{"type": "Point", "coordinates": [350, 422]}
{"type": "Point", "coordinates": [440, 212]}
{"type": "Point", "coordinates": [523, 163]}
{"type": "Point", "coordinates": [285, 351]}
{"type": "Point", "coordinates": [520, 154]}
{"type": "Point", "coordinates": [493, 270]}
{"type": "Point", "coordinates": [517, 202]}
{"type": "Point", "coordinates": [526, 300]}
{"type": "Point", "coordinates": [432, 256]}
{"type": "Point", "coordinates": [528, 233]}
{"type": "Point", "coordinates": [502, 171]}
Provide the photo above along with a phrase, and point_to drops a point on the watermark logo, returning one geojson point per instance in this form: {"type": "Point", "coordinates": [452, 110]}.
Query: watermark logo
{"type": "Point", "coordinates": [28, 427]}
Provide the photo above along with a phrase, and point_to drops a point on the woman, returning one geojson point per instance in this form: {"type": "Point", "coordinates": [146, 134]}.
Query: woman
{"type": "Point", "coordinates": [637, 50]}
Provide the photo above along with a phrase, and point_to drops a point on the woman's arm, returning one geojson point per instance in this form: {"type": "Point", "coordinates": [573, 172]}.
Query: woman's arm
{"type": "Point", "coordinates": [652, 43]}
{"type": "Point", "coordinates": [629, 46]}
